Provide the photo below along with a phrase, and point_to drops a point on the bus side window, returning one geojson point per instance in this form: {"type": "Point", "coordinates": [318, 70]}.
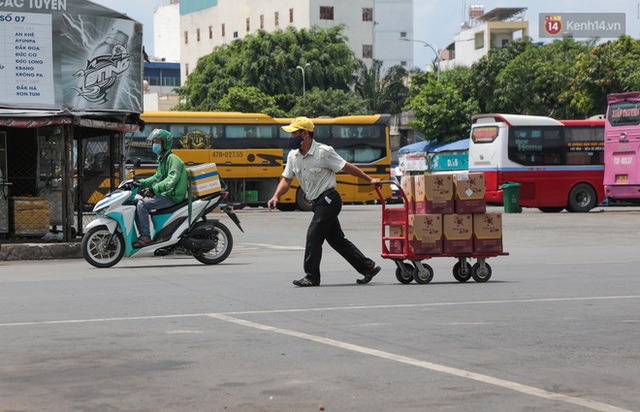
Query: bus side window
{"type": "Point", "coordinates": [250, 132]}
{"type": "Point", "coordinates": [346, 154]}
{"type": "Point", "coordinates": [366, 155]}
{"type": "Point", "coordinates": [235, 132]}
{"type": "Point", "coordinates": [322, 132]}
{"type": "Point", "coordinates": [552, 147]}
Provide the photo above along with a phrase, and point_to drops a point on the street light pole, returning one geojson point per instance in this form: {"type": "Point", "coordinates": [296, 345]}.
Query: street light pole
{"type": "Point", "coordinates": [303, 82]}
{"type": "Point", "coordinates": [438, 59]}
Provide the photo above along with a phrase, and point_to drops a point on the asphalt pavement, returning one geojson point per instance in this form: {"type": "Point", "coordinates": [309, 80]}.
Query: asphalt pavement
{"type": "Point", "coordinates": [555, 328]}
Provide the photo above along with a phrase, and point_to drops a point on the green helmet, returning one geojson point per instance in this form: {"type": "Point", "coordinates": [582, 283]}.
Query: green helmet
{"type": "Point", "coordinates": [162, 135]}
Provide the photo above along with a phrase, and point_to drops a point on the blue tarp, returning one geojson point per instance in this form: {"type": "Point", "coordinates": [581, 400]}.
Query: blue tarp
{"type": "Point", "coordinates": [459, 145]}
{"type": "Point", "coordinates": [434, 147]}
{"type": "Point", "coordinates": [424, 146]}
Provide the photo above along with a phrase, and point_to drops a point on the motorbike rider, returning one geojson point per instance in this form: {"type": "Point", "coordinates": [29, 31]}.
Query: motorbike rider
{"type": "Point", "coordinates": [165, 188]}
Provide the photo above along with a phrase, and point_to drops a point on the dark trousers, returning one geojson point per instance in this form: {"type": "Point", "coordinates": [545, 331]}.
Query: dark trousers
{"type": "Point", "coordinates": [326, 226]}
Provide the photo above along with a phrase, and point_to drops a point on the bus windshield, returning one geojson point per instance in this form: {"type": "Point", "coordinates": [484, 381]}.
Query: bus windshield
{"type": "Point", "coordinates": [621, 114]}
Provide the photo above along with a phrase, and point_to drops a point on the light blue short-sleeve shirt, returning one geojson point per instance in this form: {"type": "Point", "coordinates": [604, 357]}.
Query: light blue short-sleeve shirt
{"type": "Point", "coordinates": [316, 171]}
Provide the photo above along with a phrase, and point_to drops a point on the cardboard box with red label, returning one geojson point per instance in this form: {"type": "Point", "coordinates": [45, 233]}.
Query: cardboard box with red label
{"type": "Point", "coordinates": [438, 194]}
{"type": "Point", "coordinates": [487, 233]}
{"type": "Point", "coordinates": [425, 234]}
{"type": "Point", "coordinates": [458, 233]}
{"type": "Point", "coordinates": [469, 193]}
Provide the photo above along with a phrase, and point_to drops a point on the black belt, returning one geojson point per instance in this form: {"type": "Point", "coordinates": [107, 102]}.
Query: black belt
{"type": "Point", "coordinates": [325, 193]}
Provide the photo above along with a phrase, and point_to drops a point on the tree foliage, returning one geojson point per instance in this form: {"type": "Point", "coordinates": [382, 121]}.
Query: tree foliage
{"type": "Point", "coordinates": [268, 62]}
{"type": "Point", "coordinates": [382, 93]}
{"type": "Point", "coordinates": [249, 100]}
{"type": "Point", "coordinates": [534, 80]}
{"type": "Point", "coordinates": [485, 73]}
{"type": "Point", "coordinates": [564, 79]}
{"type": "Point", "coordinates": [330, 102]}
{"type": "Point", "coordinates": [442, 109]}
{"type": "Point", "coordinates": [607, 68]}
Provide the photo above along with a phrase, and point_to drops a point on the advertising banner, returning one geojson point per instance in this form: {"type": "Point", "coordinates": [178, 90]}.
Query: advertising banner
{"type": "Point", "coordinates": [69, 54]}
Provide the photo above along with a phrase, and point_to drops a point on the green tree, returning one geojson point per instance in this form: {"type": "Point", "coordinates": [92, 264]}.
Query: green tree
{"type": "Point", "coordinates": [268, 61]}
{"type": "Point", "coordinates": [249, 100]}
{"type": "Point", "coordinates": [610, 67]}
{"type": "Point", "coordinates": [330, 102]}
{"type": "Point", "coordinates": [443, 109]}
{"type": "Point", "coordinates": [485, 73]}
{"type": "Point", "coordinates": [382, 93]}
{"type": "Point", "coordinates": [534, 80]}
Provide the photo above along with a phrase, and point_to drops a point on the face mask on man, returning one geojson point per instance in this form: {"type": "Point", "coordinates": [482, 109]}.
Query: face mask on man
{"type": "Point", "coordinates": [157, 148]}
{"type": "Point", "coordinates": [295, 142]}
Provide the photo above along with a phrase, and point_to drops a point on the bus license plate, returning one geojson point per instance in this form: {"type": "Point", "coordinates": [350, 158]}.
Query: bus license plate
{"type": "Point", "coordinates": [621, 178]}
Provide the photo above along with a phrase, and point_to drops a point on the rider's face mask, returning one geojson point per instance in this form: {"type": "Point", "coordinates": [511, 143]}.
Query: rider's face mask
{"type": "Point", "coordinates": [157, 148]}
{"type": "Point", "coordinates": [295, 142]}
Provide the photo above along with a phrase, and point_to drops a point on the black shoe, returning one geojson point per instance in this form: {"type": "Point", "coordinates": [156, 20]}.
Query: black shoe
{"type": "Point", "coordinates": [304, 282]}
{"type": "Point", "coordinates": [367, 278]}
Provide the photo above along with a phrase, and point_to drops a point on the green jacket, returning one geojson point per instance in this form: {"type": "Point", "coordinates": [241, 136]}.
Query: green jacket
{"type": "Point", "coordinates": [170, 179]}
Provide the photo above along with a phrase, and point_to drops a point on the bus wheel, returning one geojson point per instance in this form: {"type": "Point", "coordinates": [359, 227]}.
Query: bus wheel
{"type": "Point", "coordinates": [551, 209]}
{"type": "Point", "coordinates": [302, 202]}
{"type": "Point", "coordinates": [582, 198]}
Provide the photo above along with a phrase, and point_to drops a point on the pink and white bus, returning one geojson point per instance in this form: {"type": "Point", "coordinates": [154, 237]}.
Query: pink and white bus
{"type": "Point", "coordinates": [558, 163]}
{"type": "Point", "coordinates": [621, 147]}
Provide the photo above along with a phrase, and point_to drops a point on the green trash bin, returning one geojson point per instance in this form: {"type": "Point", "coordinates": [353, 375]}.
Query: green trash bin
{"type": "Point", "coordinates": [511, 197]}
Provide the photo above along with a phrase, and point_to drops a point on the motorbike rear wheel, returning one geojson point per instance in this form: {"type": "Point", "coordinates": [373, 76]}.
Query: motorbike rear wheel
{"type": "Point", "coordinates": [97, 252]}
{"type": "Point", "coordinates": [222, 250]}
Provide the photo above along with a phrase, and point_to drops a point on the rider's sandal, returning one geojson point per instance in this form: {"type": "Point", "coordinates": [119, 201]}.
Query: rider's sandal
{"type": "Point", "coordinates": [142, 242]}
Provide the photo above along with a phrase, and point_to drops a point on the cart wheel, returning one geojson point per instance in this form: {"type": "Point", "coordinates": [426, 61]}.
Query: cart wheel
{"type": "Point", "coordinates": [481, 273]}
{"type": "Point", "coordinates": [422, 278]}
{"type": "Point", "coordinates": [462, 273]}
{"type": "Point", "coordinates": [405, 275]}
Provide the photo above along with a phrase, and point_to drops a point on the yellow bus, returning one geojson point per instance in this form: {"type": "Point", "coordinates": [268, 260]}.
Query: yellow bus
{"type": "Point", "coordinates": [250, 149]}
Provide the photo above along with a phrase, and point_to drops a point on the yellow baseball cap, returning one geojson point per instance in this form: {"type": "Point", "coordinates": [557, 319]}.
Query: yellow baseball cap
{"type": "Point", "coordinates": [299, 123]}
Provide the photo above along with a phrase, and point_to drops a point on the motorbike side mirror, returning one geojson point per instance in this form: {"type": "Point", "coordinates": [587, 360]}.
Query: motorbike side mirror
{"type": "Point", "coordinates": [137, 162]}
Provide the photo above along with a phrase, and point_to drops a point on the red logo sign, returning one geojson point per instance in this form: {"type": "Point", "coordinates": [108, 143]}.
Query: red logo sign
{"type": "Point", "coordinates": [553, 25]}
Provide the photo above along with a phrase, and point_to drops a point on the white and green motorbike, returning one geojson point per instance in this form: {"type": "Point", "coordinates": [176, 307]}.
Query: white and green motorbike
{"type": "Point", "coordinates": [183, 228]}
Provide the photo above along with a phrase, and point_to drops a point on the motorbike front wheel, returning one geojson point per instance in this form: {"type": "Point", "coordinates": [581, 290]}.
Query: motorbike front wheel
{"type": "Point", "coordinates": [97, 250]}
{"type": "Point", "coordinates": [224, 243]}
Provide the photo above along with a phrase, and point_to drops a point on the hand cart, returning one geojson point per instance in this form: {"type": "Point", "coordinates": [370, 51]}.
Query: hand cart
{"type": "Point", "coordinates": [415, 269]}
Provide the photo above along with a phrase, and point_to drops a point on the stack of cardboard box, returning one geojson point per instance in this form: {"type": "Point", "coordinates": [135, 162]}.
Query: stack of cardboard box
{"type": "Point", "coordinates": [447, 215]}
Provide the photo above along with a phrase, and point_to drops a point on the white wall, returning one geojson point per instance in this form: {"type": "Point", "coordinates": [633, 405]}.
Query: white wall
{"type": "Point", "coordinates": [166, 33]}
{"type": "Point", "coordinates": [393, 17]}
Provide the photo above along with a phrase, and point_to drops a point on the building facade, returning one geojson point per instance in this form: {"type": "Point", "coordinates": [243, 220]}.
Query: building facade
{"type": "Point", "coordinates": [483, 32]}
{"type": "Point", "coordinates": [373, 27]}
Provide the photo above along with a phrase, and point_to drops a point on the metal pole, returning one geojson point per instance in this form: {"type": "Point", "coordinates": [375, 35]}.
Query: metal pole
{"type": "Point", "coordinates": [304, 103]}
{"type": "Point", "coordinates": [438, 59]}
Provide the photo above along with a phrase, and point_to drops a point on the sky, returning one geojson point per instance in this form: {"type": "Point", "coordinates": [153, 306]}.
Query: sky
{"type": "Point", "coordinates": [434, 21]}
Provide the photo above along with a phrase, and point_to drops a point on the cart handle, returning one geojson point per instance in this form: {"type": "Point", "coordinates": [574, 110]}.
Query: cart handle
{"type": "Point", "coordinates": [390, 182]}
